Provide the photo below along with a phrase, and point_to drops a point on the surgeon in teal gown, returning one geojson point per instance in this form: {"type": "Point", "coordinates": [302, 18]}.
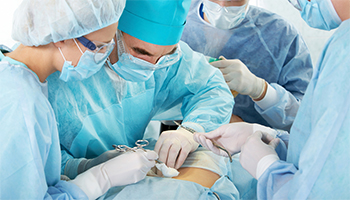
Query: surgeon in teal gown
{"type": "Point", "coordinates": [106, 109]}
{"type": "Point", "coordinates": [318, 157]}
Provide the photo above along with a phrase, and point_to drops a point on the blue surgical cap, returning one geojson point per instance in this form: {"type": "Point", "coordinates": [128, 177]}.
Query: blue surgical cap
{"type": "Point", "coordinates": [158, 22]}
{"type": "Point", "coordinates": [39, 22]}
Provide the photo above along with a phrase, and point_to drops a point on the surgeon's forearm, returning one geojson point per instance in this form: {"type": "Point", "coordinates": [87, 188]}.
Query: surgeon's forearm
{"type": "Point", "coordinates": [279, 107]}
{"type": "Point", "coordinates": [71, 167]}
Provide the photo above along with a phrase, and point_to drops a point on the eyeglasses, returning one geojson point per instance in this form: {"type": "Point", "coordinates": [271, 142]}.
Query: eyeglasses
{"type": "Point", "coordinates": [296, 4]}
{"type": "Point", "coordinates": [101, 49]}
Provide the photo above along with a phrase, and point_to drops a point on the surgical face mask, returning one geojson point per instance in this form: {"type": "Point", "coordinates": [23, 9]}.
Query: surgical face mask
{"type": "Point", "coordinates": [134, 69]}
{"type": "Point", "coordinates": [318, 13]}
{"type": "Point", "coordinates": [86, 66]}
{"type": "Point", "coordinates": [224, 17]}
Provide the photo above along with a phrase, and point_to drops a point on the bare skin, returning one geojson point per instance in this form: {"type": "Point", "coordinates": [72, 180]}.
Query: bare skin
{"type": "Point", "coordinates": [201, 176]}
{"type": "Point", "coordinates": [235, 118]}
{"type": "Point", "coordinates": [342, 7]}
{"type": "Point", "coordinates": [46, 59]}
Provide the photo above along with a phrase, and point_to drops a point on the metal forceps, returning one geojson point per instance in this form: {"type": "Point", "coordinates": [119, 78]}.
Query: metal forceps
{"type": "Point", "coordinates": [124, 148]}
{"type": "Point", "coordinates": [142, 143]}
{"type": "Point", "coordinates": [139, 145]}
{"type": "Point", "coordinates": [214, 143]}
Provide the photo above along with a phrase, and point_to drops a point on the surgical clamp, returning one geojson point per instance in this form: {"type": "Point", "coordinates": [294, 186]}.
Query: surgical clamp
{"type": "Point", "coordinates": [139, 145]}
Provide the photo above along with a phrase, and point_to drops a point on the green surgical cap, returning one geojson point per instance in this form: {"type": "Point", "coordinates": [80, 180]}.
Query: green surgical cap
{"type": "Point", "coordinates": [158, 22]}
{"type": "Point", "coordinates": [39, 22]}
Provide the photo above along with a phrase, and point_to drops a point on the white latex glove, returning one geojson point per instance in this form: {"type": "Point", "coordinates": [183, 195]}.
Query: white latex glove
{"type": "Point", "coordinates": [239, 78]}
{"type": "Point", "coordinates": [88, 163]}
{"type": "Point", "coordinates": [258, 146]}
{"type": "Point", "coordinates": [173, 147]}
{"type": "Point", "coordinates": [125, 169]}
{"type": "Point", "coordinates": [230, 136]}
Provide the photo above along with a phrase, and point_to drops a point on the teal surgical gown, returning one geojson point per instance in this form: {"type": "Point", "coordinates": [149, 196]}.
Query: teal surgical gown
{"type": "Point", "coordinates": [105, 109]}
{"type": "Point", "coordinates": [270, 47]}
{"type": "Point", "coordinates": [318, 156]}
{"type": "Point", "coordinates": [29, 152]}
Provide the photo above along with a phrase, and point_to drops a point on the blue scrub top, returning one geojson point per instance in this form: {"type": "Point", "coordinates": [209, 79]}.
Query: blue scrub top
{"type": "Point", "coordinates": [270, 47]}
{"type": "Point", "coordinates": [29, 152]}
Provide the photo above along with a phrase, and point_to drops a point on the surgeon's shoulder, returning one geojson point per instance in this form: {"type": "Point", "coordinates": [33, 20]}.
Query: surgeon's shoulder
{"type": "Point", "coordinates": [190, 56]}
{"type": "Point", "coordinates": [268, 21]}
{"type": "Point", "coordinates": [19, 84]}
{"type": "Point", "coordinates": [15, 77]}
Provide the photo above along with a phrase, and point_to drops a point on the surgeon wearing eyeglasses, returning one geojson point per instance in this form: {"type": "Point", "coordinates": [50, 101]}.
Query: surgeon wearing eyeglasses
{"type": "Point", "coordinates": [263, 58]}
{"type": "Point", "coordinates": [313, 161]}
{"type": "Point", "coordinates": [150, 71]}
{"type": "Point", "coordinates": [51, 40]}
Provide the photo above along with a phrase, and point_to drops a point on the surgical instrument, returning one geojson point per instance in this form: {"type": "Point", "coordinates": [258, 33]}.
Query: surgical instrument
{"type": "Point", "coordinates": [214, 143]}
{"type": "Point", "coordinates": [166, 171]}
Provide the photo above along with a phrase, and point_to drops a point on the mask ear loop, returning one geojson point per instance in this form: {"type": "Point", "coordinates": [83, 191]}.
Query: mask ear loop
{"type": "Point", "coordinates": [78, 46]}
{"type": "Point", "coordinates": [120, 41]}
{"type": "Point", "coordinates": [59, 48]}
{"type": "Point", "coordinates": [121, 45]}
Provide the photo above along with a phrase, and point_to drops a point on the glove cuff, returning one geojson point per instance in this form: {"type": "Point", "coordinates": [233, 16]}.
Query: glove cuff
{"type": "Point", "coordinates": [265, 163]}
{"type": "Point", "coordinates": [260, 92]}
{"type": "Point", "coordinates": [92, 182]}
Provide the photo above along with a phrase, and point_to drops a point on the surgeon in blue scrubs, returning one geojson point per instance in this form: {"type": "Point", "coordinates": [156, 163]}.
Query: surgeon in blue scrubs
{"type": "Point", "coordinates": [150, 72]}
{"type": "Point", "coordinates": [317, 152]}
{"type": "Point", "coordinates": [264, 58]}
{"type": "Point", "coordinates": [74, 38]}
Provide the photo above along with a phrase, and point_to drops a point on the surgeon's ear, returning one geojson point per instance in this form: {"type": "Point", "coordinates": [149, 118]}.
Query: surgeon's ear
{"type": "Point", "coordinates": [62, 43]}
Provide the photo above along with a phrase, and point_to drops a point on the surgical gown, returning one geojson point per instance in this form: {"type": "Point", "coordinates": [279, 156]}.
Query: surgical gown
{"type": "Point", "coordinates": [29, 152]}
{"type": "Point", "coordinates": [105, 109]}
{"type": "Point", "coordinates": [318, 157]}
{"type": "Point", "coordinates": [270, 47]}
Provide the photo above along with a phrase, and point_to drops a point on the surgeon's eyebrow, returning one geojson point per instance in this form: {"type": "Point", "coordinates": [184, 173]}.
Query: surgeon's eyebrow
{"type": "Point", "coordinates": [141, 51]}
{"type": "Point", "coordinates": [145, 52]}
{"type": "Point", "coordinates": [172, 51]}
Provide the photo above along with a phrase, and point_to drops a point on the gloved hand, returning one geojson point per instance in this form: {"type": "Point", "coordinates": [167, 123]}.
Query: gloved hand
{"type": "Point", "coordinates": [258, 147]}
{"type": "Point", "coordinates": [125, 169]}
{"type": "Point", "coordinates": [239, 78]}
{"type": "Point", "coordinates": [230, 136]}
{"type": "Point", "coordinates": [86, 164]}
{"type": "Point", "coordinates": [173, 147]}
